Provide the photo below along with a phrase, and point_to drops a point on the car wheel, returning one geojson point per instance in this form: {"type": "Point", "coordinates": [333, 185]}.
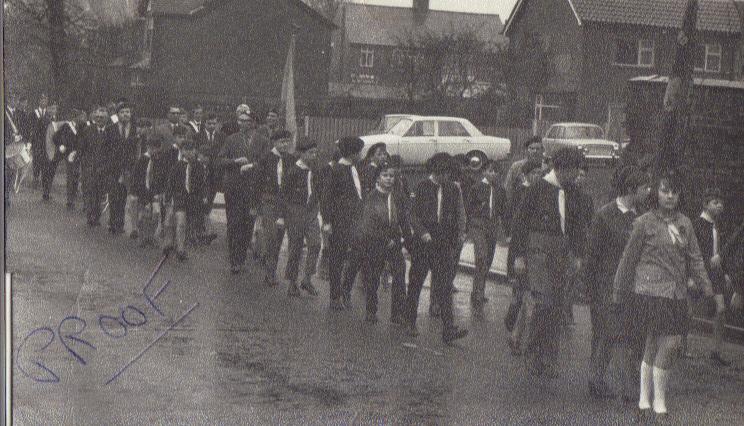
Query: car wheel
{"type": "Point", "coordinates": [479, 154]}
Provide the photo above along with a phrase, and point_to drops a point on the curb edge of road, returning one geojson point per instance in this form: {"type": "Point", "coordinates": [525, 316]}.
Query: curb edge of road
{"type": "Point", "coordinates": [698, 323]}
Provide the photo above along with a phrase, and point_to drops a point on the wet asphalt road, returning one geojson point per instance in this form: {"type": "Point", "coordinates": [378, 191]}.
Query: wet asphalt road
{"type": "Point", "coordinates": [95, 344]}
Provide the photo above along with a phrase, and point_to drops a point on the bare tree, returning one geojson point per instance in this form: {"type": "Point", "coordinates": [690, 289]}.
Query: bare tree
{"type": "Point", "coordinates": [62, 29]}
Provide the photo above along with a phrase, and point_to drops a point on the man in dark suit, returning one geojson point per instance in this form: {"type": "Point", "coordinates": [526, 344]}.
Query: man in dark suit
{"type": "Point", "coordinates": [120, 145]}
{"type": "Point", "coordinates": [165, 130]}
{"type": "Point", "coordinates": [66, 143]}
{"type": "Point", "coordinates": [435, 221]}
{"type": "Point", "coordinates": [92, 158]}
{"type": "Point", "coordinates": [209, 143]}
{"type": "Point", "coordinates": [547, 239]}
{"type": "Point", "coordinates": [341, 205]}
{"type": "Point", "coordinates": [608, 235]}
{"type": "Point", "coordinates": [487, 209]}
{"type": "Point", "coordinates": [271, 171]}
{"type": "Point", "coordinates": [38, 123]}
{"type": "Point", "coordinates": [196, 123]}
{"type": "Point", "coordinates": [233, 126]}
{"type": "Point", "coordinates": [709, 239]}
{"type": "Point", "coordinates": [238, 159]}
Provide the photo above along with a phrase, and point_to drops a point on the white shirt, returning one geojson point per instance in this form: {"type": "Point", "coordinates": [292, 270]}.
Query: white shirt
{"type": "Point", "coordinates": [552, 179]}
{"type": "Point", "coordinates": [490, 197]}
{"type": "Point", "coordinates": [114, 118]}
{"type": "Point", "coordinates": [439, 199]}
{"type": "Point", "coordinates": [279, 167]}
{"type": "Point", "coordinates": [710, 220]}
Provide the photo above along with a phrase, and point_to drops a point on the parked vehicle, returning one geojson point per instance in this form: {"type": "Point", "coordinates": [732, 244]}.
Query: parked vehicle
{"type": "Point", "coordinates": [417, 138]}
{"type": "Point", "coordinates": [587, 137]}
{"type": "Point", "coordinates": [389, 120]}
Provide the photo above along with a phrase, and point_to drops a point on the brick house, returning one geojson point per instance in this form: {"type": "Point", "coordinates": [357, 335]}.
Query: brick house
{"type": "Point", "coordinates": [366, 48]}
{"type": "Point", "coordinates": [221, 53]}
{"type": "Point", "coordinates": [598, 45]}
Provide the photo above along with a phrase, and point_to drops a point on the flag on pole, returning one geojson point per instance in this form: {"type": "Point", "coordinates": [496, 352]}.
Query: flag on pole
{"type": "Point", "coordinates": [288, 98]}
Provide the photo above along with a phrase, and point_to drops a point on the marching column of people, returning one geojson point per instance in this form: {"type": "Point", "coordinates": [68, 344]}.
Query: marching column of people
{"type": "Point", "coordinates": [361, 215]}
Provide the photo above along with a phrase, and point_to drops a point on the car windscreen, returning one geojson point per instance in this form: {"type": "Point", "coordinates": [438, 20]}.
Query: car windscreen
{"type": "Point", "coordinates": [576, 132]}
{"type": "Point", "coordinates": [390, 122]}
{"type": "Point", "coordinates": [399, 129]}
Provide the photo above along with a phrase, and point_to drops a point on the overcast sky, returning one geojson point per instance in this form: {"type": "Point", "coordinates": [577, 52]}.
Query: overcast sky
{"type": "Point", "coordinates": [501, 7]}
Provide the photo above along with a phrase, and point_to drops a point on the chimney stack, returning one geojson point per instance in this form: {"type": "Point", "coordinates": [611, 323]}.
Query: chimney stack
{"type": "Point", "coordinates": [420, 9]}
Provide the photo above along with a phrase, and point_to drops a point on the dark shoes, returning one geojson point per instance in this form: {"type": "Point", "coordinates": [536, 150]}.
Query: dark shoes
{"type": "Point", "coordinates": [235, 269]}
{"type": "Point", "coordinates": [308, 288]}
{"type": "Point", "coordinates": [207, 239]}
{"type": "Point", "coordinates": [397, 320]}
{"type": "Point", "coordinates": [167, 251]}
{"type": "Point", "coordinates": [600, 391]}
{"type": "Point", "coordinates": [412, 331]}
{"type": "Point", "coordinates": [370, 318]}
{"type": "Point", "coordinates": [644, 416]}
{"type": "Point", "coordinates": [116, 231]}
{"type": "Point", "coordinates": [270, 281]}
{"type": "Point", "coordinates": [293, 290]}
{"type": "Point", "coordinates": [453, 334]}
{"type": "Point", "coordinates": [478, 302]}
{"type": "Point", "coordinates": [717, 360]}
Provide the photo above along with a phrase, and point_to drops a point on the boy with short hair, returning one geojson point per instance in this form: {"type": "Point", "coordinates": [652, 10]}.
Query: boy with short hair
{"type": "Point", "coordinates": [144, 188]}
{"type": "Point", "coordinates": [709, 238]}
{"type": "Point", "coordinates": [487, 208]}
{"type": "Point", "coordinates": [300, 195]}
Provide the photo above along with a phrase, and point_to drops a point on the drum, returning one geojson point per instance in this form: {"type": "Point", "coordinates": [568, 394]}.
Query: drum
{"type": "Point", "coordinates": [17, 156]}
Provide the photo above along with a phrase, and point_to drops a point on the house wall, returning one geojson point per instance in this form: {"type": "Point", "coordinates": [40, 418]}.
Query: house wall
{"type": "Point", "coordinates": [238, 49]}
{"type": "Point", "coordinates": [604, 83]}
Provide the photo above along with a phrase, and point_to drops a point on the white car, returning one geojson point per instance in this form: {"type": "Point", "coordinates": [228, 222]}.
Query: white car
{"type": "Point", "coordinates": [389, 120]}
{"type": "Point", "coordinates": [417, 138]}
{"type": "Point", "coordinates": [587, 137]}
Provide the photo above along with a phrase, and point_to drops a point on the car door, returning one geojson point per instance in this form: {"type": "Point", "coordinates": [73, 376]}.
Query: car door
{"type": "Point", "coordinates": [550, 142]}
{"type": "Point", "coordinates": [453, 138]}
{"type": "Point", "coordinates": [419, 143]}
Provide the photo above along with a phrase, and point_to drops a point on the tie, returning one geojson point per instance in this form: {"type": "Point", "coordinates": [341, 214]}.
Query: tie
{"type": "Point", "coordinates": [357, 183]}
{"type": "Point", "coordinates": [188, 177]}
{"type": "Point", "coordinates": [490, 203]}
{"type": "Point", "coordinates": [279, 170]}
{"type": "Point", "coordinates": [562, 208]}
{"type": "Point", "coordinates": [148, 174]}
{"type": "Point", "coordinates": [715, 240]}
{"type": "Point", "coordinates": [439, 204]}
{"type": "Point", "coordinates": [309, 185]}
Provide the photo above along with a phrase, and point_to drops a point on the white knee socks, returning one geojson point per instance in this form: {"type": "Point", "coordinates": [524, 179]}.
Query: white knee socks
{"type": "Point", "coordinates": [660, 383]}
{"type": "Point", "coordinates": [644, 401]}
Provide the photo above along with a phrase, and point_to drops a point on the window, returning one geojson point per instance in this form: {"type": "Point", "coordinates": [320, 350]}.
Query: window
{"type": "Point", "coordinates": [638, 53]}
{"type": "Point", "coordinates": [366, 57]}
{"type": "Point", "coordinates": [452, 128]}
{"type": "Point", "coordinates": [553, 132]}
{"type": "Point", "coordinates": [421, 128]}
{"type": "Point", "coordinates": [583, 133]}
{"type": "Point", "coordinates": [708, 57]}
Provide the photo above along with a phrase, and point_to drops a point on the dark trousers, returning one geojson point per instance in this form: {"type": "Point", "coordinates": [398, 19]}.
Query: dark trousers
{"type": "Point", "coordinates": [47, 176]}
{"type": "Point", "coordinates": [72, 171]}
{"type": "Point", "coordinates": [544, 338]}
{"type": "Point", "coordinates": [437, 258]}
{"type": "Point", "coordinates": [375, 254]}
{"type": "Point", "coordinates": [39, 160]}
{"type": "Point", "coordinates": [117, 198]}
{"type": "Point", "coordinates": [484, 236]}
{"type": "Point", "coordinates": [272, 236]}
{"type": "Point", "coordinates": [8, 185]}
{"type": "Point", "coordinates": [239, 224]}
{"type": "Point", "coordinates": [302, 228]}
{"type": "Point", "coordinates": [93, 193]}
{"type": "Point", "coordinates": [340, 255]}
{"type": "Point", "coordinates": [602, 340]}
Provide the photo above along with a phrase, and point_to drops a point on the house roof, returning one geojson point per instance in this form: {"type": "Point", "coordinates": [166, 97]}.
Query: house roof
{"type": "Point", "coordinates": [387, 26]}
{"type": "Point", "coordinates": [713, 15]}
{"type": "Point", "coordinates": [192, 7]}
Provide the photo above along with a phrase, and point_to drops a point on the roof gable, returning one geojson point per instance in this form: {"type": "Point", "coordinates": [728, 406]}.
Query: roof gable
{"type": "Point", "coordinates": [713, 15]}
{"type": "Point", "coordinates": [386, 26]}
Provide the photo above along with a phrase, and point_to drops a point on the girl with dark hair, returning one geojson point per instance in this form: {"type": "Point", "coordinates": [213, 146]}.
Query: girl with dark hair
{"type": "Point", "coordinates": [383, 224]}
{"type": "Point", "coordinates": [662, 253]}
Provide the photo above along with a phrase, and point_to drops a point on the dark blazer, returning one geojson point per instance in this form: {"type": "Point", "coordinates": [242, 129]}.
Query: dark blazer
{"type": "Point", "coordinates": [65, 136]}
{"type": "Point", "coordinates": [374, 222]}
{"type": "Point", "coordinates": [608, 234]}
{"type": "Point", "coordinates": [176, 187]}
{"type": "Point", "coordinates": [340, 203]}
{"type": "Point", "coordinates": [294, 188]}
{"type": "Point", "coordinates": [267, 174]}
{"type": "Point", "coordinates": [704, 233]}
{"type": "Point", "coordinates": [367, 176]}
{"type": "Point", "coordinates": [210, 148]}
{"type": "Point", "coordinates": [236, 146]}
{"type": "Point", "coordinates": [478, 199]}
{"type": "Point", "coordinates": [121, 152]}
{"type": "Point", "coordinates": [538, 213]}
{"type": "Point", "coordinates": [138, 179]}
{"type": "Point", "coordinates": [424, 212]}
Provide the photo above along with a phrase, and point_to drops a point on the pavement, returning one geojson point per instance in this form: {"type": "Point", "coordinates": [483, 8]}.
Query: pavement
{"type": "Point", "coordinates": [106, 332]}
